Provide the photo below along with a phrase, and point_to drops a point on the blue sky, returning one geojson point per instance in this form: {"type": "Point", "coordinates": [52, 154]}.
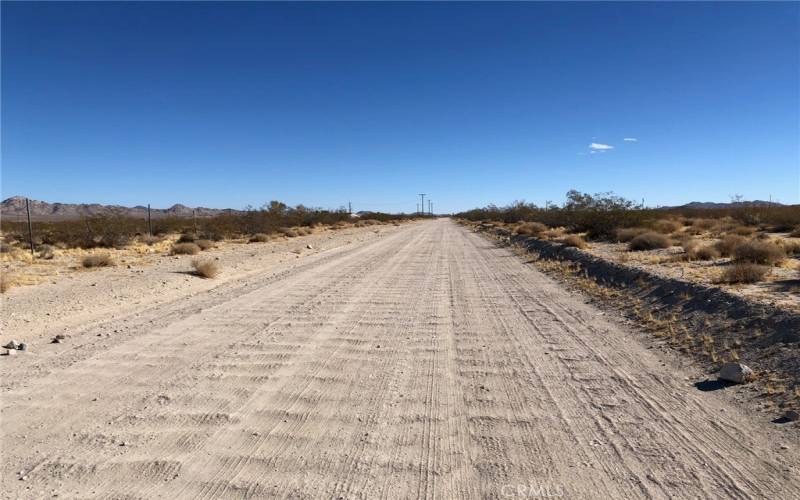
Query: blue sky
{"type": "Point", "coordinates": [229, 104]}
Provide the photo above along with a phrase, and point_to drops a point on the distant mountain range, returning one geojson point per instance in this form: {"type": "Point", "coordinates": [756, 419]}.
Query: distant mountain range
{"type": "Point", "coordinates": [14, 208]}
{"type": "Point", "coordinates": [734, 204]}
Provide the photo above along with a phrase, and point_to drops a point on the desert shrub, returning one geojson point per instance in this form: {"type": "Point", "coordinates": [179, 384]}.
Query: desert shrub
{"type": "Point", "coordinates": [289, 232]}
{"type": "Point", "coordinates": [46, 252]}
{"type": "Point", "coordinates": [97, 260]}
{"type": "Point", "coordinates": [704, 224]}
{"type": "Point", "coordinates": [531, 229]}
{"type": "Point", "coordinates": [552, 234]}
{"type": "Point", "coordinates": [667, 226]}
{"type": "Point", "coordinates": [626, 234]}
{"type": "Point", "coordinates": [259, 238]}
{"type": "Point", "coordinates": [727, 244]}
{"type": "Point", "coordinates": [185, 249]}
{"type": "Point", "coordinates": [575, 241]}
{"type": "Point", "coordinates": [648, 241]}
{"type": "Point", "coordinates": [6, 248]}
{"type": "Point", "coordinates": [206, 268]}
{"type": "Point", "coordinates": [303, 231]}
{"type": "Point", "coordinates": [187, 238]}
{"type": "Point", "coordinates": [744, 272]}
{"type": "Point", "coordinates": [743, 230]}
{"type": "Point", "coordinates": [204, 244]}
{"type": "Point", "coordinates": [795, 232]}
{"type": "Point", "coordinates": [759, 252]}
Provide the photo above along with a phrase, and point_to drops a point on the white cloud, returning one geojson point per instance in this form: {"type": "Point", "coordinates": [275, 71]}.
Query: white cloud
{"type": "Point", "coordinates": [596, 146]}
{"type": "Point", "coordinates": [630, 139]}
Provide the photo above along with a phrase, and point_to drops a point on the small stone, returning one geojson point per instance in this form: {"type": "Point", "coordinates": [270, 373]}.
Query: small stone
{"type": "Point", "coordinates": [736, 373]}
{"type": "Point", "coordinates": [792, 416]}
{"type": "Point", "coordinates": [12, 345]}
{"type": "Point", "coordinates": [57, 340]}
{"type": "Point", "coordinates": [309, 247]}
{"type": "Point", "coordinates": [61, 336]}
{"type": "Point", "coordinates": [784, 447]}
{"type": "Point", "coordinates": [22, 346]}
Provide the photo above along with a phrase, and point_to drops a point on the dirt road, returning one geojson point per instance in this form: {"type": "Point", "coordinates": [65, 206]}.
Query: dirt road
{"type": "Point", "coordinates": [424, 363]}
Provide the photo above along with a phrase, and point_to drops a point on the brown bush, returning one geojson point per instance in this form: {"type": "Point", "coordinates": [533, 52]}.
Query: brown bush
{"type": "Point", "coordinates": [759, 252]}
{"type": "Point", "coordinates": [667, 226]}
{"type": "Point", "coordinates": [648, 241]}
{"type": "Point", "coordinates": [206, 268]}
{"type": "Point", "coordinates": [187, 238]}
{"type": "Point", "coordinates": [204, 244]}
{"type": "Point", "coordinates": [728, 244]}
{"type": "Point", "coordinates": [575, 241]}
{"type": "Point", "coordinates": [531, 229]}
{"type": "Point", "coordinates": [259, 238]}
{"type": "Point", "coordinates": [744, 272]}
{"type": "Point", "coordinates": [6, 248]}
{"type": "Point", "coordinates": [795, 232]}
{"type": "Point", "coordinates": [97, 260]}
{"type": "Point", "coordinates": [626, 234]}
{"type": "Point", "coordinates": [185, 249]}
{"type": "Point", "coordinates": [290, 233]}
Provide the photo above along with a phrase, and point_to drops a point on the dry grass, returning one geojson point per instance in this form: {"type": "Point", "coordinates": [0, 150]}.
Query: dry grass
{"type": "Point", "coordinates": [759, 252]}
{"type": "Point", "coordinates": [575, 241]}
{"type": "Point", "coordinates": [204, 244]}
{"type": "Point", "coordinates": [729, 243]}
{"type": "Point", "coordinates": [795, 232]}
{"type": "Point", "coordinates": [744, 272]}
{"type": "Point", "coordinates": [648, 241]}
{"type": "Point", "coordinates": [626, 234]}
{"type": "Point", "coordinates": [185, 249]}
{"type": "Point", "coordinates": [791, 247]}
{"type": "Point", "coordinates": [206, 268]}
{"type": "Point", "coordinates": [187, 238]}
{"type": "Point", "coordinates": [291, 233]}
{"type": "Point", "coordinates": [97, 260]}
{"type": "Point", "coordinates": [531, 229]}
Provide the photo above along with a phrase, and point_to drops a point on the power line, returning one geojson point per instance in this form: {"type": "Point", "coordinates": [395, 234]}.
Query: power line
{"type": "Point", "coordinates": [422, 204]}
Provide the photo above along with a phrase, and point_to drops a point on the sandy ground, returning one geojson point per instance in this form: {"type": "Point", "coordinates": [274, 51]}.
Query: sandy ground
{"type": "Point", "coordinates": [421, 361]}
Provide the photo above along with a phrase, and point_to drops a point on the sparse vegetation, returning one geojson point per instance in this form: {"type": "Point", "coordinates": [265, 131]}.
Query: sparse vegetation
{"type": "Point", "coordinates": [206, 268]}
{"type": "Point", "coordinates": [744, 272]}
{"type": "Point", "coordinates": [648, 241]}
{"type": "Point", "coordinates": [667, 226]}
{"type": "Point", "coordinates": [185, 249]}
{"type": "Point", "coordinates": [97, 260]}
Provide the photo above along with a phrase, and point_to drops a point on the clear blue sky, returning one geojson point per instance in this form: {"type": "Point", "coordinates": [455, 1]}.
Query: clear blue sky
{"type": "Point", "coordinates": [229, 104]}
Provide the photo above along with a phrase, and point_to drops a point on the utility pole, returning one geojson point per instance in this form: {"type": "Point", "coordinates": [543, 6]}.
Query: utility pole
{"type": "Point", "coordinates": [422, 205]}
{"type": "Point", "coordinates": [194, 221]}
{"type": "Point", "coordinates": [30, 226]}
{"type": "Point", "coordinates": [430, 207]}
{"type": "Point", "coordinates": [149, 223]}
{"type": "Point", "coordinates": [349, 208]}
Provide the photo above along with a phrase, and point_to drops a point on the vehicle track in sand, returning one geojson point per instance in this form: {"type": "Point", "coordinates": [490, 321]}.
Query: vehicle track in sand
{"type": "Point", "coordinates": [425, 363]}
